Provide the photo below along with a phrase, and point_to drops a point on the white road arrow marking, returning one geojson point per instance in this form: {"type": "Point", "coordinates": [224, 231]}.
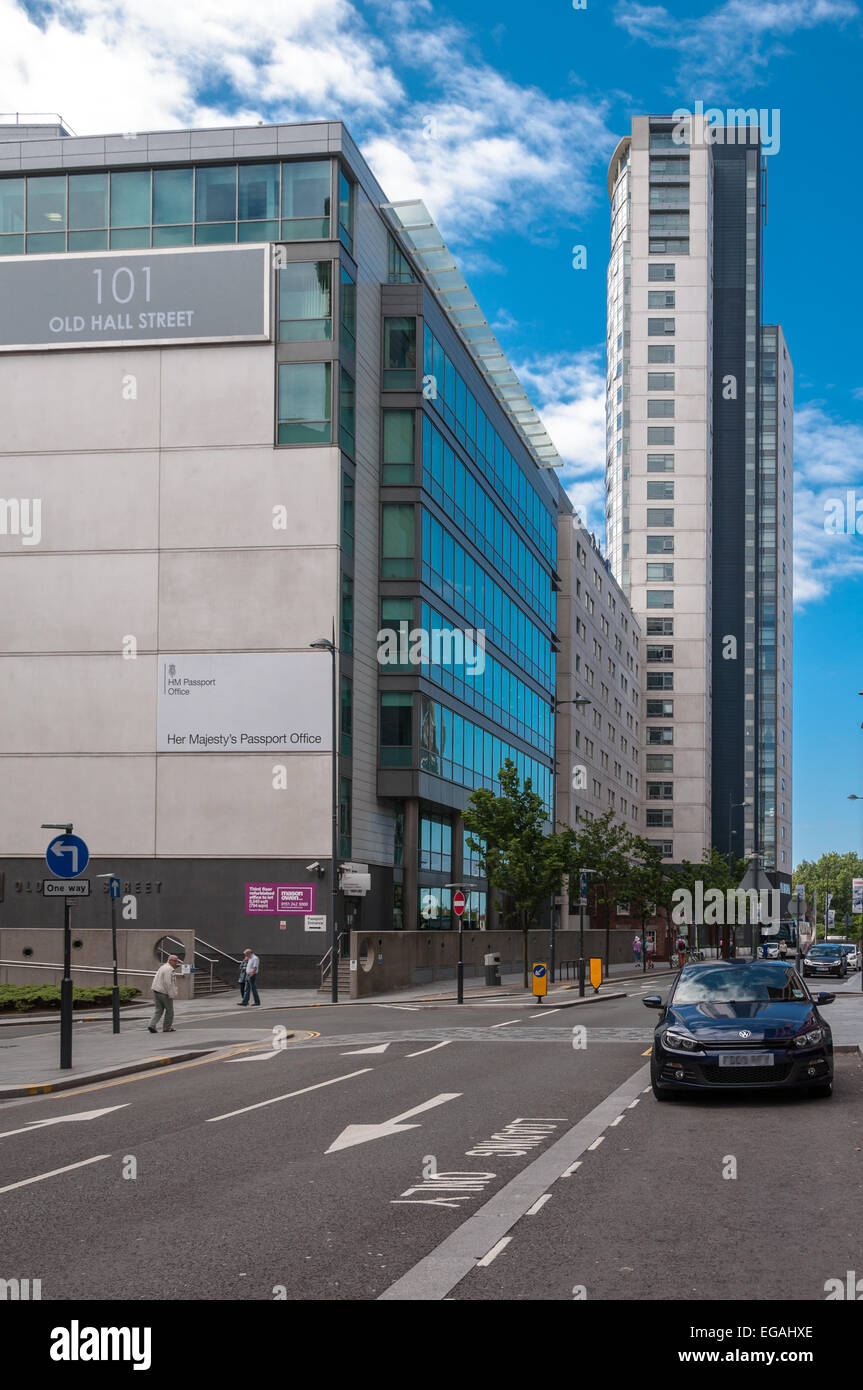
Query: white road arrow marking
{"type": "Point", "coordinates": [259, 1056]}
{"type": "Point", "coordinates": [64, 1119]}
{"type": "Point", "coordinates": [361, 1050]}
{"type": "Point", "coordinates": [361, 1134]}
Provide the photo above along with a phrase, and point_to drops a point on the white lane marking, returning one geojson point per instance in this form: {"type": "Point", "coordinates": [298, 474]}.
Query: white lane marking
{"type": "Point", "coordinates": [617, 1121]}
{"type": "Point", "coordinates": [494, 1252]}
{"type": "Point", "coordinates": [438, 1273]}
{"type": "Point", "coordinates": [64, 1119]}
{"type": "Point", "coordinates": [646, 1089]}
{"type": "Point", "coordinates": [537, 1206]}
{"type": "Point", "coordinates": [25, 1182]}
{"type": "Point", "coordinates": [596, 1143]}
{"type": "Point", "coordinates": [545, 1013]}
{"type": "Point", "coordinates": [361, 1134]}
{"type": "Point", "coordinates": [411, 1007]}
{"type": "Point", "coordinates": [634, 1103]}
{"type": "Point", "coordinates": [507, 1024]}
{"type": "Point", "coordinates": [289, 1096]}
{"type": "Point", "coordinates": [361, 1051]}
{"type": "Point", "coordinates": [568, 1172]}
{"type": "Point", "coordinates": [259, 1056]}
{"type": "Point", "coordinates": [431, 1049]}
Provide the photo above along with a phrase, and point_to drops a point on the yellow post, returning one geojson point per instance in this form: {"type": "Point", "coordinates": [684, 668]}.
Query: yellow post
{"type": "Point", "coordinates": [539, 975]}
{"type": "Point", "coordinates": [596, 971]}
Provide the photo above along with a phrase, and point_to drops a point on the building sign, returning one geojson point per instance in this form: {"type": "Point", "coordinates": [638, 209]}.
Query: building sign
{"type": "Point", "coordinates": [199, 294]}
{"type": "Point", "coordinates": [296, 899]}
{"type": "Point", "coordinates": [267, 702]}
{"type": "Point", "coordinates": [857, 895]}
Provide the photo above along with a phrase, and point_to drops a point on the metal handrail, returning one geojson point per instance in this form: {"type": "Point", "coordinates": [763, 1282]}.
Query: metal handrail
{"type": "Point", "coordinates": [47, 965]}
{"type": "Point", "coordinates": [235, 959]}
{"type": "Point", "coordinates": [323, 965]}
{"type": "Point", "coordinates": [211, 960]}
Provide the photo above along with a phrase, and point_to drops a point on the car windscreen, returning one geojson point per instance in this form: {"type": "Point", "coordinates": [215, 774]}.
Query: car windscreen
{"type": "Point", "coordinates": [746, 984]}
{"type": "Point", "coordinates": [828, 952]}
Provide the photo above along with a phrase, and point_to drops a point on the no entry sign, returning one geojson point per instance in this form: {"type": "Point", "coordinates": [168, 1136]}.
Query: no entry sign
{"type": "Point", "coordinates": [458, 903]}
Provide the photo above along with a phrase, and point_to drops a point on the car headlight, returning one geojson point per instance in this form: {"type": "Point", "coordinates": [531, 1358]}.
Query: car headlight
{"type": "Point", "coordinates": [809, 1039]}
{"type": "Point", "coordinates": [680, 1042]}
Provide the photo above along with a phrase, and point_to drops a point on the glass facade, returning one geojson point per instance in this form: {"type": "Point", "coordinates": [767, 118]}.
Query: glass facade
{"type": "Point", "coordinates": [305, 406]}
{"type": "Point", "coordinates": [305, 301]}
{"type": "Point", "coordinates": [452, 573]}
{"type": "Point", "coordinates": [201, 204]}
{"type": "Point", "coordinates": [447, 393]}
{"type": "Point", "coordinates": [480, 680]}
{"type": "Point", "coordinates": [460, 751]}
{"type": "Point", "coordinates": [453, 486]}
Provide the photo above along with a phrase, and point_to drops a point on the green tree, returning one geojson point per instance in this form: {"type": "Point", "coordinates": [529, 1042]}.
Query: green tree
{"type": "Point", "coordinates": [832, 873]}
{"type": "Point", "coordinates": [603, 845]}
{"type": "Point", "coordinates": [520, 860]}
{"type": "Point", "coordinates": [645, 881]}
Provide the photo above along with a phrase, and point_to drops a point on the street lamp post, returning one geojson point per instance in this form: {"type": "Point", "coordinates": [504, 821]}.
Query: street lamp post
{"type": "Point", "coordinates": [115, 989]}
{"type": "Point", "coordinates": [579, 701]}
{"type": "Point", "coordinates": [853, 797]}
{"type": "Point", "coordinates": [324, 644]}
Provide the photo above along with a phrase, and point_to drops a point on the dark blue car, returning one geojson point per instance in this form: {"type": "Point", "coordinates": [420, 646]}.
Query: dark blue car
{"type": "Point", "coordinates": [740, 1025]}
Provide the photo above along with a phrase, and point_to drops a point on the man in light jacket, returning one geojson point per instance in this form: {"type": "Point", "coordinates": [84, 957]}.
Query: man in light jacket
{"type": "Point", "coordinates": [164, 994]}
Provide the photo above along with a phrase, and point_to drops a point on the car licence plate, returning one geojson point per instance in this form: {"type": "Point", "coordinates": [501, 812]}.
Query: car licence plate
{"type": "Point", "coordinates": [746, 1059]}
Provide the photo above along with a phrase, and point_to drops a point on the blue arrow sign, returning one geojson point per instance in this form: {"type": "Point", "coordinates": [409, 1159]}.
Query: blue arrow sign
{"type": "Point", "coordinates": [67, 856]}
{"type": "Point", "coordinates": [539, 971]}
{"type": "Point", "coordinates": [115, 888]}
{"type": "Point", "coordinates": [582, 887]}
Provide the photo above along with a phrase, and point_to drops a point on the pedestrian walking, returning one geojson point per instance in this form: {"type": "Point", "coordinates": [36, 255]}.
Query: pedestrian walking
{"type": "Point", "coordinates": [252, 966]}
{"type": "Point", "coordinates": [649, 949]}
{"type": "Point", "coordinates": [241, 978]}
{"type": "Point", "coordinates": [636, 949]}
{"type": "Point", "coordinates": [164, 994]}
{"type": "Point", "coordinates": [681, 950]}
{"type": "Point", "coordinates": [783, 949]}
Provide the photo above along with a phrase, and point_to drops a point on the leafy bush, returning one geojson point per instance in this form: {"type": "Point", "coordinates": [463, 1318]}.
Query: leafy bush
{"type": "Point", "coordinates": [21, 998]}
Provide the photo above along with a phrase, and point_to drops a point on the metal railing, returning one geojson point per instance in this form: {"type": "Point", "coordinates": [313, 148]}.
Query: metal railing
{"type": "Point", "coordinates": [199, 955]}
{"type": "Point", "coordinates": [325, 961]}
{"type": "Point", "coordinates": [92, 969]}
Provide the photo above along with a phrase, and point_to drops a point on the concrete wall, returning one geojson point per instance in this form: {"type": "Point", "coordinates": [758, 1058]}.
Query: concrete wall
{"type": "Point", "coordinates": [136, 952]}
{"type": "Point", "coordinates": [416, 958]}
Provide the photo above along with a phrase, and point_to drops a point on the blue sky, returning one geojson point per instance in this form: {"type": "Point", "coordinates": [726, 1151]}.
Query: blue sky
{"type": "Point", "coordinates": [503, 116]}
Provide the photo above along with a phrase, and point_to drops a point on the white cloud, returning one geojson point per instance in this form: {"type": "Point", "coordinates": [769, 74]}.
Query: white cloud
{"type": "Point", "coordinates": [735, 41]}
{"type": "Point", "coordinates": [434, 119]}
{"type": "Point", "coordinates": [829, 466]}
{"type": "Point", "coordinates": [569, 393]}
